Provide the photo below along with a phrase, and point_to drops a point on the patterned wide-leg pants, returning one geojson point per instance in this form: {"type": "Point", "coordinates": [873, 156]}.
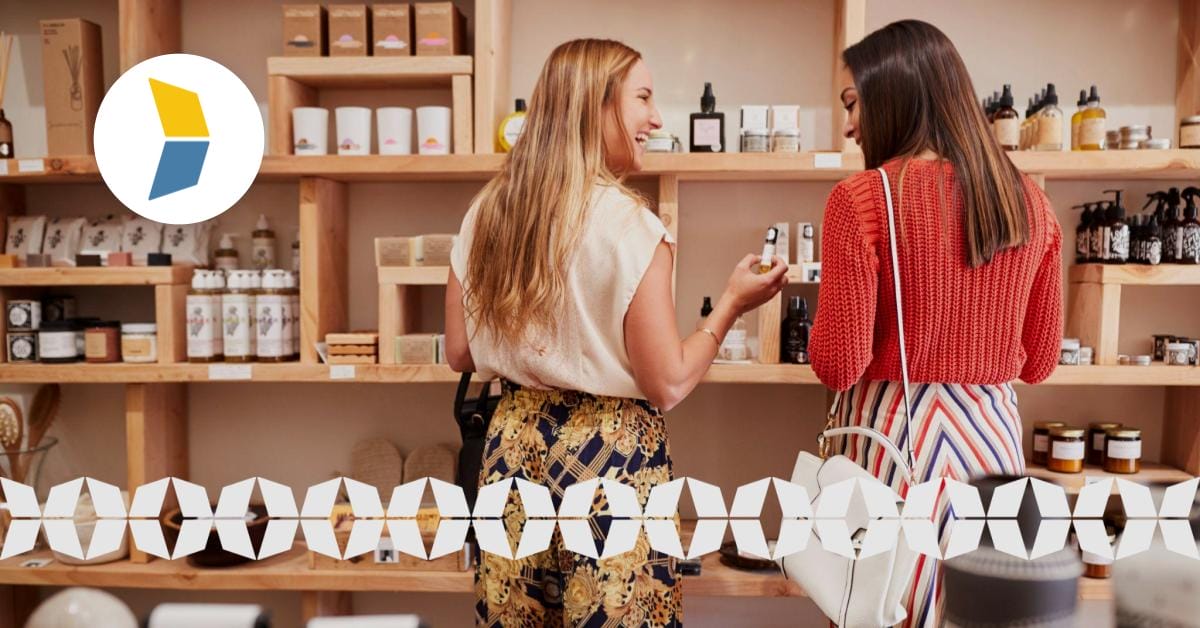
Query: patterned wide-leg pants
{"type": "Point", "coordinates": [555, 439]}
{"type": "Point", "coordinates": [960, 432]}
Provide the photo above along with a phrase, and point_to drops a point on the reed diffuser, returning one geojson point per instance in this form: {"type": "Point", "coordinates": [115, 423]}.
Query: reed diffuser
{"type": "Point", "coordinates": [6, 134]}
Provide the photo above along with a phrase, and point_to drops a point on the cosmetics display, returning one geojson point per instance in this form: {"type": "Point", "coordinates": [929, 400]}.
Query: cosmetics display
{"type": "Point", "coordinates": [770, 129]}
{"type": "Point", "coordinates": [1006, 122]}
{"type": "Point", "coordinates": [1163, 235]}
{"type": "Point", "coordinates": [256, 314]}
{"type": "Point", "coordinates": [393, 130]}
{"type": "Point", "coordinates": [1110, 446]}
{"type": "Point", "coordinates": [139, 343]}
{"type": "Point", "coordinates": [706, 129]}
{"type": "Point", "coordinates": [382, 30]}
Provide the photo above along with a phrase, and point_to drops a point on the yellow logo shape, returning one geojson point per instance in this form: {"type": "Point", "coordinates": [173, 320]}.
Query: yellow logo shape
{"type": "Point", "coordinates": [178, 110]}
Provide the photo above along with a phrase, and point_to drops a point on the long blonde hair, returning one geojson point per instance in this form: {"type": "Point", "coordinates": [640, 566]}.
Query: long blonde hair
{"type": "Point", "coordinates": [530, 217]}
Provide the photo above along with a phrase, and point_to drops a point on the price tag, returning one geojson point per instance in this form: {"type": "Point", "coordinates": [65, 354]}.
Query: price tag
{"type": "Point", "coordinates": [3, 167]}
{"type": "Point", "coordinates": [229, 371]}
{"type": "Point", "coordinates": [30, 165]}
{"type": "Point", "coordinates": [827, 160]}
{"type": "Point", "coordinates": [341, 371]}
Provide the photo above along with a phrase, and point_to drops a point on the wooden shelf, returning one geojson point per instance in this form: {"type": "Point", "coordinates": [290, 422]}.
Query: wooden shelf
{"type": "Point", "coordinates": [1137, 275]}
{"type": "Point", "coordinates": [96, 276]}
{"type": "Point", "coordinates": [753, 166]}
{"type": "Point", "coordinates": [381, 167]}
{"type": "Point", "coordinates": [1073, 482]}
{"type": "Point", "coordinates": [413, 275]}
{"type": "Point", "coordinates": [356, 72]}
{"type": "Point", "coordinates": [68, 169]}
{"type": "Point", "coordinates": [1176, 164]}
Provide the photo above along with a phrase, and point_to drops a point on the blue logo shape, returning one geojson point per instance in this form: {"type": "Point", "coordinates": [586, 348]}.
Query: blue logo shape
{"type": "Point", "coordinates": [179, 167]}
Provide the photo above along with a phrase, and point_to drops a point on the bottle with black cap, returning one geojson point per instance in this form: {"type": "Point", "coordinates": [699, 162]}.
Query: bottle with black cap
{"type": "Point", "coordinates": [1096, 234]}
{"type": "Point", "coordinates": [1152, 247]}
{"type": "Point", "coordinates": [1077, 117]}
{"type": "Point", "coordinates": [1190, 228]}
{"type": "Point", "coordinates": [1006, 122]}
{"type": "Point", "coordinates": [1172, 228]}
{"type": "Point", "coordinates": [796, 329]}
{"type": "Point", "coordinates": [1118, 230]}
{"type": "Point", "coordinates": [1049, 137]}
{"type": "Point", "coordinates": [707, 128]}
{"type": "Point", "coordinates": [1092, 124]}
{"type": "Point", "coordinates": [1083, 235]}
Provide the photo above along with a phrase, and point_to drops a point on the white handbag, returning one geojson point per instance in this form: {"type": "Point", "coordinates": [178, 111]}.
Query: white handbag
{"type": "Point", "coordinates": [866, 592]}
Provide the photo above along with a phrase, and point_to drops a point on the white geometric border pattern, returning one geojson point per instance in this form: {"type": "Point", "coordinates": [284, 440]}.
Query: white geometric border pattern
{"type": "Point", "coordinates": [887, 525]}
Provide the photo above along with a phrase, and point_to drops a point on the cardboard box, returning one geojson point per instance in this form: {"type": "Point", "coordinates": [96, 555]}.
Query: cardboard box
{"type": "Point", "coordinates": [391, 28]}
{"type": "Point", "coordinates": [305, 30]}
{"type": "Point", "coordinates": [349, 30]}
{"type": "Point", "coordinates": [73, 81]}
{"type": "Point", "coordinates": [432, 249]}
{"type": "Point", "coordinates": [440, 29]}
{"type": "Point", "coordinates": [394, 251]}
{"type": "Point", "coordinates": [416, 349]}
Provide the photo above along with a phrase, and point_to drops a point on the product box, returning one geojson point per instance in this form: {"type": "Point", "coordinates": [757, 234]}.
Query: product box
{"type": "Point", "coordinates": [73, 82]}
{"type": "Point", "coordinates": [305, 30]}
{"type": "Point", "coordinates": [391, 28]}
{"type": "Point", "coordinates": [349, 30]}
{"type": "Point", "coordinates": [394, 251]}
{"type": "Point", "coordinates": [416, 349]}
{"type": "Point", "coordinates": [783, 242]}
{"type": "Point", "coordinates": [440, 29]}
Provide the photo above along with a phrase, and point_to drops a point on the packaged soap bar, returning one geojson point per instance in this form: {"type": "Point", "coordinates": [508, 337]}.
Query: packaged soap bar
{"type": "Point", "coordinates": [141, 237]}
{"type": "Point", "coordinates": [391, 28]}
{"type": "Point", "coordinates": [433, 249]}
{"type": "Point", "coordinates": [439, 29]}
{"type": "Point", "coordinates": [416, 349]}
{"type": "Point", "coordinates": [304, 33]}
{"type": "Point", "coordinates": [102, 237]}
{"type": "Point", "coordinates": [64, 236]}
{"type": "Point", "coordinates": [187, 244]}
{"type": "Point", "coordinates": [394, 251]}
{"type": "Point", "coordinates": [25, 235]}
{"type": "Point", "coordinates": [349, 31]}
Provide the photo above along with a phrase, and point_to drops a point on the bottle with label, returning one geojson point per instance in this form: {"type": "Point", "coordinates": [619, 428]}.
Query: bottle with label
{"type": "Point", "coordinates": [796, 328]}
{"type": "Point", "coordinates": [1049, 128]}
{"type": "Point", "coordinates": [1093, 124]}
{"type": "Point", "coordinates": [270, 306]}
{"type": "Point", "coordinates": [1118, 230]}
{"type": "Point", "coordinates": [6, 137]}
{"type": "Point", "coordinates": [1137, 239]}
{"type": "Point", "coordinates": [1077, 117]}
{"type": "Point", "coordinates": [216, 289]}
{"type": "Point", "coordinates": [1152, 245]}
{"type": "Point", "coordinates": [199, 316]}
{"type": "Point", "coordinates": [511, 127]}
{"type": "Point", "coordinates": [1096, 251]}
{"type": "Point", "coordinates": [1190, 229]}
{"type": "Point", "coordinates": [292, 284]}
{"type": "Point", "coordinates": [1006, 122]}
{"type": "Point", "coordinates": [804, 247]}
{"type": "Point", "coordinates": [1083, 235]}
{"type": "Point", "coordinates": [707, 128]}
{"type": "Point", "coordinates": [262, 251]}
{"type": "Point", "coordinates": [238, 307]}
{"type": "Point", "coordinates": [225, 258]}
{"type": "Point", "coordinates": [1027, 125]}
{"type": "Point", "coordinates": [1172, 228]}
{"type": "Point", "coordinates": [296, 253]}
{"type": "Point", "coordinates": [734, 347]}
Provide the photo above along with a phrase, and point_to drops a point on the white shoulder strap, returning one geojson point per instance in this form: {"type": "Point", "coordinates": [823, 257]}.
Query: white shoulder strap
{"type": "Point", "coordinates": [887, 194]}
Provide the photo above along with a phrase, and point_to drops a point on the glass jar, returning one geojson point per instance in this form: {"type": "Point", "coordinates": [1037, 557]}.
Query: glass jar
{"type": "Point", "coordinates": [1095, 565]}
{"type": "Point", "coordinates": [785, 141]}
{"type": "Point", "coordinates": [139, 342]}
{"type": "Point", "coordinates": [102, 342]}
{"type": "Point", "coordinates": [58, 342]}
{"type": "Point", "coordinates": [755, 141]}
{"type": "Point", "coordinates": [1112, 140]}
{"type": "Point", "coordinates": [661, 141]}
{"type": "Point", "coordinates": [1095, 450]}
{"type": "Point", "coordinates": [1066, 449]}
{"type": "Point", "coordinates": [1189, 132]}
{"type": "Point", "coordinates": [1123, 450]}
{"type": "Point", "coordinates": [1070, 352]}
{"type": "Point", "coordinates": [1041, 440]}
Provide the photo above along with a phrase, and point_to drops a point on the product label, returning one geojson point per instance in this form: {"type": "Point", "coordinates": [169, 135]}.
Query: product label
{"type": "Point", "coordinates": [341, 371]}
{"type": "Point", "coordinates": [1041, 442]}
{"type": "Point", "coordinates": [239, 325]}
{"type": "Point", "coordinates": [827, 160]}
{"type": "Point", "coordinates": [58, 344]}
{"type": "Point", "coordinates": [1098, 441]}
{"type": "Point", "coordinates": [1069, 450]}
{"type": "Point", "coordinates": [1091, 132]}
{"type": "Point", "coordinates": [20, 348]}
{"type": "Point", "coordinates": [1189, 136]}
{"type": "Point", "coordinates": [512, 130]}
{"type": "Point", "coordinates": [200, 326]}
{"type": "Point", "coordinates": [1118, 238]}
{"type": "Point", "coordinates": [137, 347]}
{"type": "Point", "coordinates": [1153, 254]}
{"type": "Point", "coordinates": [95, 346]}
{"type": "Point", "coordinates": [270, 326]}
{"type": "Point", "coordinates": [1007, 131]}
{"type": "Point", "coordinates": [30, 165]}
{"type": "Point", "coordinates": [1083, 246]}
{"type": "Point", "coordinates": [1175, 243]}
{"type": "Point", "coordinates": [1190, 244]}
{"type": "Point", "coordinates": [707, 133]}
{"type": "Point", "coordinates": [1125, 449]}
{"type": "Point", "coordinates": [734, 347]}
{"type": "Point", "coordinates": [229, 371]}
{"type": "Point", "coordinates": [1050, 131]}
{"type": "Point", "coordinates": [1105, 243]}
{"type": "Point", "coordinates": [262, 253]}
{"type": "Point", "coordinates": [1097, 243]}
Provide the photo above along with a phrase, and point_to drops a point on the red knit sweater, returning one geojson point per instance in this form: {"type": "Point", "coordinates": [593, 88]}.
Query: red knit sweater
{"type": "Point", "coordinates": [987, 325]}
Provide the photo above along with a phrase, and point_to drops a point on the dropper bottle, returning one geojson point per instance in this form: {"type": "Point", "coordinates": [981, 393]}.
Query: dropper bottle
{"type": "Point", "coordinates": [1006, 122]}
{"type": "Point", "coordinates": [1118, 230]}
{"type": "Point", "coordinates": [226, 256]}
{"type": "Point", "coordinates": [1050, 122]}
{"type": "Point", "coordinates": [1093, 124]}
{"type": "Point", "coordinates": [1077, 117]}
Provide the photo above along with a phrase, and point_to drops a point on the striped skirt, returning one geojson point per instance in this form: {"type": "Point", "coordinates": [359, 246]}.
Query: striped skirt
{"type": "Point", "coordinates": [960, 431]}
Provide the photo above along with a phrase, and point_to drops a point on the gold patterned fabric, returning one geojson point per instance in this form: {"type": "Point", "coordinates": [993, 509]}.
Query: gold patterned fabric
{"type": "Point", "coordinates": [557, 438]}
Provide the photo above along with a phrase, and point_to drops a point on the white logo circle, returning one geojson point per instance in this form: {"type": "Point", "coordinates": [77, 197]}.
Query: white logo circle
{"type": "Point", "coordinates": [179, 139]}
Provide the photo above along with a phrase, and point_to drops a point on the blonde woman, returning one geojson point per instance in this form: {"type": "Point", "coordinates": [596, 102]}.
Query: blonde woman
{"type": "Point", "coordinates": [561, 286]}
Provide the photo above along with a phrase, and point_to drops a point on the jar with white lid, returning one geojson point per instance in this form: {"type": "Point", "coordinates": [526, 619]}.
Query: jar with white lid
{"type": "Point", "coordinates": [785, 141]}
{"type": "Point", "coordinates": [139, 343]}
{"type": "Point", "coordinates": [58, 342]}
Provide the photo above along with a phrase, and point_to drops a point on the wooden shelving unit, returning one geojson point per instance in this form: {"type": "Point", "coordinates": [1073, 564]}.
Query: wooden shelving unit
{"type": "Point", "coordinates": [413, 275]}
{"type": "Point", "coordinates": [96, 276]}
{"type": "Point", "coordinates": [1136, 275]}
{"type": "Point", "coordinates": [371, 72]}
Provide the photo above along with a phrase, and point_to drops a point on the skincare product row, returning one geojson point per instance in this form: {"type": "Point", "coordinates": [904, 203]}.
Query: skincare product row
{"type": "Point", "coordinates": [1073, 354]}
{"type": "Point", "coordinates": [394, 128]}
{"type": "Point", "coordinates": [356, 30]}
{"type": "Point", "coordinates": [1134, 137]}
{"type": "Point", "coordinates": [770, 129]}
{"type": "Point", "coordinates": [243, 316]}
{"type": "Point", "coordinates": [42, 241]}
{"type": "Point", "coordinates": [262, 250]}
{"type": "Point", "coordinates": [48, 331]}
{"type": "Point", "coordinates": [1103, 235]}
{"type": "Point", "coordinates": [1164, 235]}
{"type": "Point", "coordinates": [1176, 350]}
{"type": "Point", "coordinates": [1064, 449]}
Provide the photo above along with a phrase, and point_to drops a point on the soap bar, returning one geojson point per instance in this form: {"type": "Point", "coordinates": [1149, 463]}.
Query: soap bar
{"type": "Point", "coordinates": [120, 258]}
{"type": "Point", "coordinates": [416, 349]}
{"type": "Point", "coordinates": [158, 259]}
{"type": "Point", "coordinates": [87, 259]}
{"type": "Point", "coordinates": [433, 249]}
{"type": "Point", "coordinates": [394, 251]}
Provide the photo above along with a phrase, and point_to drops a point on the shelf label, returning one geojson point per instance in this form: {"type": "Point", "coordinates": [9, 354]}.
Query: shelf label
{"type": "Point", "coordinates": [31, 165]}
{"type": "Point", "coordinates": [341, 371]}
{"type": "Point", "coordinates": [3, 167]}
{"type": "Point", "coordinates": [229, 371]}
{"type": "Point", "coordinates": [827, 160]}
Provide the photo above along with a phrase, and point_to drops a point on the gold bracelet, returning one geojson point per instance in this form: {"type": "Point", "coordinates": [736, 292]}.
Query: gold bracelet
{"type": "Point", "coordinates": [713, 334]}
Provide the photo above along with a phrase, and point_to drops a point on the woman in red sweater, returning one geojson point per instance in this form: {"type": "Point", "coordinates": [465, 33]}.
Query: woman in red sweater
{"type": "Point", "coordinates": [980, 275]}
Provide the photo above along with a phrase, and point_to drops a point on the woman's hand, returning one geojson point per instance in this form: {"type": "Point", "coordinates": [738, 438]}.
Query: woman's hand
{"type": "Point", "coordinates": [747, 289]}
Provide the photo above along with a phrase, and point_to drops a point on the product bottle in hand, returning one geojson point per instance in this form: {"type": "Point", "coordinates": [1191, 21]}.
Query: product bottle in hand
{"type": "Point", "coordinates": [796, 328]}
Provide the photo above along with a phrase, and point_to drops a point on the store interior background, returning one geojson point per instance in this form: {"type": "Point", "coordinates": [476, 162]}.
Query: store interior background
{"type": "Point", "coordinates": [754, 52]}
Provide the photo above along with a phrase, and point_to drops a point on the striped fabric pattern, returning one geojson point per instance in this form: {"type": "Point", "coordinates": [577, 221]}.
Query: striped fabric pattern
{"type": "Point", "coordinates": [960, 431]}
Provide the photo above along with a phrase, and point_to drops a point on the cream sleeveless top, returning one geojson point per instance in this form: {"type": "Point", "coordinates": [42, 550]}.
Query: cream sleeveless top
{"type": "Point", "coordinates": [585, 351]}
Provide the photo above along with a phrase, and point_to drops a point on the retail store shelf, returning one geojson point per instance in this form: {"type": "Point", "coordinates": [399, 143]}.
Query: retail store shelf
{"type": "Point", "coordinates": [356, 72]}
{"type": "Point", "coordinates": [1175, 164]}
{"type": "Point", "coordinates": [1072, 482]}
{"type": "Point", "coordinates": [413, 275]}
{"type": "Point", "coordinates": [77, 169]}
{"type": "Point", "coordinates": [754, 166]}
{"type": "Point", "coordinates": [96, 276]}
{"type": "Point", "coordinates": [381, 167]}
{"type": "Point", "coordinates": [1137, 275]}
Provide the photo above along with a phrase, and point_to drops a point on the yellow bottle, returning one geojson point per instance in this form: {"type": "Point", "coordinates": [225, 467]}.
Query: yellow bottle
{"type": "Point", "coordinates": [1077, 117]}
{"type": "Point", "coordinates": [510, 127]}
{"type": "Point", "coordinates": [1093, 124]}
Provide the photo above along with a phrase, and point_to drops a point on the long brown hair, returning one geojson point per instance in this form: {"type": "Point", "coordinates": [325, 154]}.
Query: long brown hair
{"type": "Point", "coordinates": [530, 217]}
{"type": "Point", "coordinates": [914, 94]}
